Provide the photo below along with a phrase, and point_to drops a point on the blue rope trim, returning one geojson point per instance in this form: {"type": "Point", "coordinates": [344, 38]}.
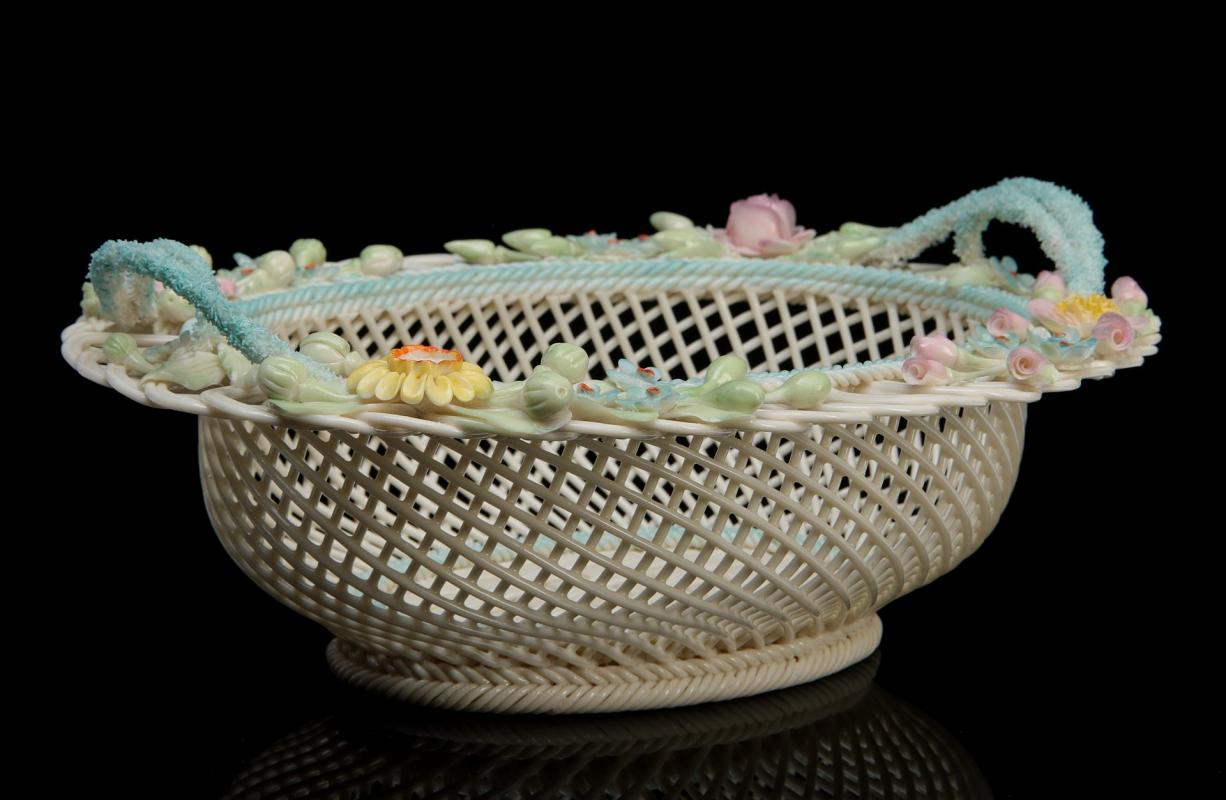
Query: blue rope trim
{"type": "Point", "coordinates": [561, 276]}
{"type": "Point", "coordinates": [1062, 221]}
{"type": "Point", "coordinates": [123, 274]}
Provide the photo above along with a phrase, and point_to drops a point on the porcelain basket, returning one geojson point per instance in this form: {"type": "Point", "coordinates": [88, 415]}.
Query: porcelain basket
{"type": "Point", "coordinates": [476, 471]}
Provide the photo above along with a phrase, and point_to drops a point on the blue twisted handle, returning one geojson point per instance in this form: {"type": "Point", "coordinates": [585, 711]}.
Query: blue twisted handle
{"type": "Point", "coordinates": [1062, 221]}
{"type": "Point", "coordinates": [123, 274]}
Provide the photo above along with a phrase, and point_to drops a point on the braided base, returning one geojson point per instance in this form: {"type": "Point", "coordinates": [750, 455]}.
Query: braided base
{"type": "Point", "coordinates": [722, 677]}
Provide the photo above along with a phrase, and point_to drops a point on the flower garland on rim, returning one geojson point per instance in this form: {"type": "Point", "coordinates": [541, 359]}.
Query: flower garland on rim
{"type": "Point", "coordinates": [1071, 330]}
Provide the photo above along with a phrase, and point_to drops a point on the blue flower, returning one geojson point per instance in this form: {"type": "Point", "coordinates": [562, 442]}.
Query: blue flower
{"type": "Point", "coordinates": [634, 388]}
{"type": "Point", "coordinates": [1063, 348]}
{"type": "Point", "coordinates": [610, 246]}
{"type": "Point", "coordinates": [983, 343]}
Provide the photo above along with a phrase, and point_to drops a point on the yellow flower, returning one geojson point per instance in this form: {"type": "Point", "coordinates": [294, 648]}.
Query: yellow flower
{"type": "Point", "coordinates": [1085, 307]}
{"type": "Point", "coordinates": [1077, 312]}
{"type": "Point", "coordinates": [420, 374]}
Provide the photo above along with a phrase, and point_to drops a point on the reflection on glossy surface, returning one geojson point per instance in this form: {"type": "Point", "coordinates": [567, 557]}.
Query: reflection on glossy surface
{"type": "Point", "coordinates": [840, 737]}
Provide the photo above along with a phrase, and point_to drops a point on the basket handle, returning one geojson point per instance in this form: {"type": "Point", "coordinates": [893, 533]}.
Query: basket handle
{"type": "Point", "coordinates": [123, 274]}
{"type": "Point", "coordinates": [1062, 221]}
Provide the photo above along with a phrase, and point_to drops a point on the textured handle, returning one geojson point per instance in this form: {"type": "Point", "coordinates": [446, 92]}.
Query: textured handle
{"type": "Point", "coordinates": [1062, 221]}
{"type": "Point", "coordinates": [123, 274]}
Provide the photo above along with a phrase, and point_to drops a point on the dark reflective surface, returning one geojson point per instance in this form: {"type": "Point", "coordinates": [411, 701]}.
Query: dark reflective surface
{"type": "Point", "coordinates": [841, 737]}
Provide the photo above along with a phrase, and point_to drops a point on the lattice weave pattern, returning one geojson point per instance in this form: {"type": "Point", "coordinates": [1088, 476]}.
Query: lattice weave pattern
{"type": "Point", "coordinates": [597, 573]}
{"type": "Point", "coordinates": [678, 331]}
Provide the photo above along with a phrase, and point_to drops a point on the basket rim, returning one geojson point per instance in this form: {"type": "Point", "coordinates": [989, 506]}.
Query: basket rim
{"type": "Point", "coordinates": [861, 394]}
{"type": "Point", "coordinates": [1031, 335]}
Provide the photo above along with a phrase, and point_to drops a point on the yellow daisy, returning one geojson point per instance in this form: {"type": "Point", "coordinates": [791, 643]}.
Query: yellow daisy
{"type": "Point", "coordinates": [1085, 309]}
{"type": "Point", "coordinates": [420, 374]}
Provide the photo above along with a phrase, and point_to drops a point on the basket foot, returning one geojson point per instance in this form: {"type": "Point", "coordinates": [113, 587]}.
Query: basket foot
{"type": "Point", "coordinates": [722, 677]}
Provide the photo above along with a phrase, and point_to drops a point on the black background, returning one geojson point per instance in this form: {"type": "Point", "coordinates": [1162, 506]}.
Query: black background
{"type": "Point", "coordinates": [1063, 655]}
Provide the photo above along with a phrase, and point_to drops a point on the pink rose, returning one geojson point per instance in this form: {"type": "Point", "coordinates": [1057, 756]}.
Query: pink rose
{"type": "Point", "coordinates": [923, 372]}
{"type": "Point", "coordinates": [935, 348]}
{"type": "Point", "coordinates": [1025, 364]}
{"type": "Point", "coordinates": [762, 225]}
{"type": "Point", "coordinates": [228, 287]}
{"type": "Point", "coordinates": [1004, 321]}
{"type": "Point", "coordinates": [1113, 332]}
{"type": "Point", "coordinates": [1044, 311]}
{"type": "Point", "coordinates": [1049, 284]}
{"type": "Point", "coordinates": [1126, 290]}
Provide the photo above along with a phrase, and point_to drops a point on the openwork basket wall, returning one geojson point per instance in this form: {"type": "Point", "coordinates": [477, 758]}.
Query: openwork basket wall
{"type": "Point", "coordinates": [599, 566]}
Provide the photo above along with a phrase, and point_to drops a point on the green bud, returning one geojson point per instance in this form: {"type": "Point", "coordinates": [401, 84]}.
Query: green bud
{"type": "Point", "coordinates": [308, 252]}
{"type": "Point", "coordinates": [281, 376]}
{"type": "Point", "coordinates": [722, 370]}
{"type": "Point", "coordinates": [557, 246]}
{"type": "Point", "coordinates": [805, 389]}
{"type": "Point", "coordinates": [192, 369]}
{"type": "Point", "coordinates": [474, 251]}
{"type": "Point", "coordinates": [546, 394]}
{"type": "Point", "coordinates": [668, 221]}
{"type": "Point", "coordinates": [740, 395]}
{"type": "Point", "coordinates": [278, 265]}
{"type": "Point", "coordinates": [121, 348]}
{"type": "Point", "coordinates": [324, 347]}
{"type": "Point", "coordinates": [568, 360]}
{"type": "Point", "coordinates": [524, 238]}
{"type": "Point", "coordinates": [91, 306]}
{"type": "Point", "coordinates": [381, 260]}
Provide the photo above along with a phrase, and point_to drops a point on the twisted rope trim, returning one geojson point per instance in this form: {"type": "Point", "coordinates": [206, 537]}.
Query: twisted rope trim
{"type": "Point", "coordinates": [568, 276]}
{"type": "Point", "coordinates": [720, 677]}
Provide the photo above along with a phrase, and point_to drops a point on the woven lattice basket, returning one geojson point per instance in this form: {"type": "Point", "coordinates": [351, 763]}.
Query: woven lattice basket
{"type": "Point", "coordinates": [592, 551]}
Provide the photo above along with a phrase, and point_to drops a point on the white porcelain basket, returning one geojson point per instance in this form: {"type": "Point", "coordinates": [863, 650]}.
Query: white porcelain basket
{"type": "Point", "coordinates": [599, 566]}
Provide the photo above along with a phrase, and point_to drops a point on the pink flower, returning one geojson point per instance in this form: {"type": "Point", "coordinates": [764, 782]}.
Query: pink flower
{"type": "Point", "coordinates": [762, 225]}
{"type": "Point", "coordinates": [1025, 364]}
{"type": "Point", "coordinates": [1113, 333]}
{"type": "Point", "coordinates": [924, 372]}
{"type": "Point", "coordinates": [1005, 321]}
{"type": "Point", "coordinates": [935, 348]}
{"type": "Point", "coordinates": [1050, 285]}
{"type": "Point", "coordinates": [228, 287]}
{"type": "Point", "coordinates": [1044, 311]}
{"type": "Point", "coordinates": [1126, 290]}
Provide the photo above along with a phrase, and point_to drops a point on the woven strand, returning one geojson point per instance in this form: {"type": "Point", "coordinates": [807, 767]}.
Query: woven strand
{"type": "Point", "coordinates": [720, 679]}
